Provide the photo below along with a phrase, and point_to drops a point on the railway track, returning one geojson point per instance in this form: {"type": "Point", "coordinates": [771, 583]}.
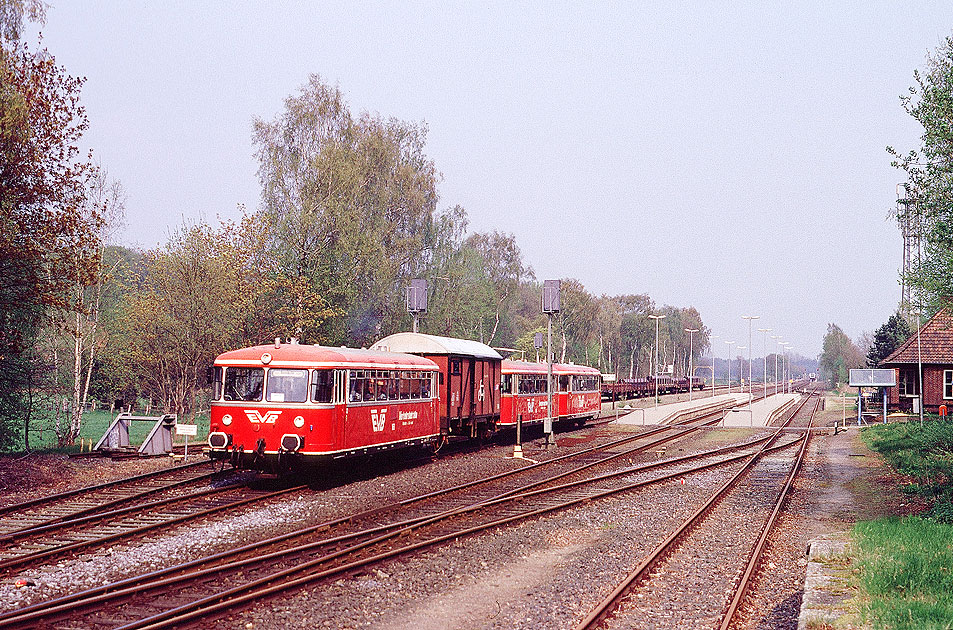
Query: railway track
{"type": "Point", "coordinates": [357, 541]}
{"type": "Point", "coordinates": [698, 574]}
{"type": "Point", "coordinates": [90, 499]}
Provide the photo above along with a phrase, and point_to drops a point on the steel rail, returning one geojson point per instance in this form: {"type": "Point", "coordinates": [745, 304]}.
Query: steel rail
{"type": "Point", "coordinates": [266, 586]}
{"type": "Point", "coordinates": [28, 559]}
{"type": "Point", "coordinates": [91, 512]}
{"type": "Point", "coordinates": [130, 582]}
{"type": "Point", "coordinates": [129, 587]}
{"type": "Point", "coordinates": [753, 562]}
{"type": "Point", "coordinates": [101, 592]}
{"type": "Point", "coordinates": [605, 608]}
{"type": "Point", "coordinates": [16, 507]}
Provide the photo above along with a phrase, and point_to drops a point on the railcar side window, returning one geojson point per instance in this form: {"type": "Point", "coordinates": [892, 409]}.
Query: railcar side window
{"type": "Point", "coordinates": [405, 385]}
{"type": "Point", "coordinates": [356, 386]}
{"type": "Point", "coordinates": [564, 383]}
{"type": "Point", "coordinates": [426, 379]}
{"type": "Point", "coordinates": [286, 385]}
{"type": "Point", "coordinates": [217, 384]}
{"type": "Point", "coordinates": [322, 384]}
{"type": "Point", "coordinates": [244, 383]}
{"type": "Point", "coordinates": [393, 386]}
{"type": "Point", "coordinates": [506, 384]}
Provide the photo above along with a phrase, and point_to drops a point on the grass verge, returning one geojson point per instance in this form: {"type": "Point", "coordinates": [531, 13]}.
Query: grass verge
{"type": "Point", "coordinates": [906, 564]}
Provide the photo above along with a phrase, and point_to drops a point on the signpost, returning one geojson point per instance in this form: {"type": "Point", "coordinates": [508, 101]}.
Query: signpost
{"type": "Point", "coordinates": [550, 307]}
{"type": "Point", "coordinates": [417, 299]}
{"type": "Point", "coordinates": [871, 378]}
{"type": "Point", "coordinates": [186, 430]}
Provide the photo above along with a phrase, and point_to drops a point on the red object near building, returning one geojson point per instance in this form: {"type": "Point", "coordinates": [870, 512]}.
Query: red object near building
{"type": "Point", "coordinates": [281, 406]}
{"type": "Point", "coordinates": [576, 395]}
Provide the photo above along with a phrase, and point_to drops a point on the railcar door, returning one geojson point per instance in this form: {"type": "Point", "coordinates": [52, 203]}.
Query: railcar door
{"type": "Point", "coordinates": [339, 413]}
{"type": "Point", "coordinates": [455, 390]}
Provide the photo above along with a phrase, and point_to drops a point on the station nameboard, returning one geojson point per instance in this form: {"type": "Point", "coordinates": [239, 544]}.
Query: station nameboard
{"type": "Point", "coordinates": [873, 378]}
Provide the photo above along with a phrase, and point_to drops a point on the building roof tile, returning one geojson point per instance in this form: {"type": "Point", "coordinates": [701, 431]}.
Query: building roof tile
{"type": "Point", "coordinates": [936, 343]}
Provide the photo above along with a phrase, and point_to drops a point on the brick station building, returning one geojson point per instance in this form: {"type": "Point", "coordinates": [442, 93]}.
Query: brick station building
{"type": "Point", "coordinates": [936, 356]}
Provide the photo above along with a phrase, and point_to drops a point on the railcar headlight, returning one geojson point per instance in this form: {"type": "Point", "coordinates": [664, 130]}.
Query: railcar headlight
{"type": "Point", "coordinates": [291, 442]}
{"type": "Point", "coordinates": [227, 419]}
{"type": "Point", "coordinates": [217, 439]}
{"type": "Point", "coordinates": [299, 422]}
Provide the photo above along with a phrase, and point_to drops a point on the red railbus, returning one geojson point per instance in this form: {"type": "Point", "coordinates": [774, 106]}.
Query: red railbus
{"type": "Point", "coordinates": [576, 393]}
{"type": "Point", "coordinates": [282, 406]}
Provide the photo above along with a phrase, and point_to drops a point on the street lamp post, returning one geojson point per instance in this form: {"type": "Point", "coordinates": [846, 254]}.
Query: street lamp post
{"type": "Point", "coordinates": [749, 318]}
{"type": "Point", "coordinates": [741, 366]}
{"type": "Point", "coordinates": [691, 340]}
{"type": "Point", "coordinates": [787, 374]}
{"type": "Point", "coordinates": [656, 318]}
{"type": "Point", "coordinates": [730, 343]}
{"type": "Point", "coordinates": [764, 350]}
{"type": "Point", "coordinates": [710, 339]}
{"type": "Point", "coordinates": [777, 338]}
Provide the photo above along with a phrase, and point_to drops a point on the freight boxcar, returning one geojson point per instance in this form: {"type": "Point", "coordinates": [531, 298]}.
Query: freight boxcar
{"type": "Point", "coordinates": [468, 388]}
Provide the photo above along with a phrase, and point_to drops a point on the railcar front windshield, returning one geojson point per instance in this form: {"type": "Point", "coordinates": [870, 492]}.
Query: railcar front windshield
{"type": "Point", "coordinates": [286, 385]}
{"type": "Point", "coordinates": [245, 384]}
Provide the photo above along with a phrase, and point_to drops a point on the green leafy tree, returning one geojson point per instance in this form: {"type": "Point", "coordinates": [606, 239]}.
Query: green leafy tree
{"type": "Point", "coordinates": [503, 264]}
{"type": "Point", "coordinates": [637, 332]}
{"type": "Point", "coordinates": [838, 356]}
{"type": "Point", "coordinates": [577, 335]}
{"type": "Point", "coordinates": [347, 202]}
{"type": "Point", "coordinates": [887, 339]}
{"type": "Point", "coordinates": [929, 169]}
{"type": "Point", "coordinates": [194, 298]}
{"type": "Point", "coordinates": [49, 233]}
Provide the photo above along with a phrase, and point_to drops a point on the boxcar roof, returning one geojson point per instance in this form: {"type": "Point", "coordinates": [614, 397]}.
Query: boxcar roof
{"type": "Point", "coordinates": [300, 355]}
{"type": "Point", "coordinates": [432, 344]}
{"type": "Point", "coordinates": [540, 368]}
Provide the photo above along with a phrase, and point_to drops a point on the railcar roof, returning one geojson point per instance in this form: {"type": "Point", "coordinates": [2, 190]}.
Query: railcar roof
{"type": "Point", "coordinates": [432, 344]}
{"type": "Point", "coordinates": [304, 355]}
{"type": "Point", "coordinates": [540, 368]}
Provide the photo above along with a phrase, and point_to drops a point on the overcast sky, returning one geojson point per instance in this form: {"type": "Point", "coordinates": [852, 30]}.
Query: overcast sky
{"type": "Point", "coordinates": [724, 155]}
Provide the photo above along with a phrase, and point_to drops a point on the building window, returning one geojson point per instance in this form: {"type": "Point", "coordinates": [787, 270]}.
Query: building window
{"type": "Point", "coordinates": [947, 384]}
{"type": "Point", "coordinates": [908, 385]}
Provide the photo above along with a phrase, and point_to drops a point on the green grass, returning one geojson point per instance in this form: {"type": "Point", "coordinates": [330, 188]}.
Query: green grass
{"type": "Point", "coordinates": [906, 571]}
{"type": "Point", "coordinates": [906, 564]}
{"type": "Point", "coordinates": [924, 454]}
{"type": "Point", "coordinates": [94, 425]}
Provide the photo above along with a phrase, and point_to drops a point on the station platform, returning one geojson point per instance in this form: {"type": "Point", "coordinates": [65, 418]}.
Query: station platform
{"type": "Point", "coordinates": [734, 407]}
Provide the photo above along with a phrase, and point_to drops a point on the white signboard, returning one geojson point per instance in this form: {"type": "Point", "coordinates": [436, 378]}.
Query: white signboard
{"type": "Point", "coordinates": [186, 429]}
{"type": "Point", "coordinates": [873, 378]}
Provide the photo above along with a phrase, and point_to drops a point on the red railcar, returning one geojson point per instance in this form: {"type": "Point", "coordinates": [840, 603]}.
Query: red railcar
{"type": "Point", "coordinates": [281, 406]}
{"type": "Point", "coordinates": [469, 382]}
{"type": "Point", "coordinates": [576, 394]}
